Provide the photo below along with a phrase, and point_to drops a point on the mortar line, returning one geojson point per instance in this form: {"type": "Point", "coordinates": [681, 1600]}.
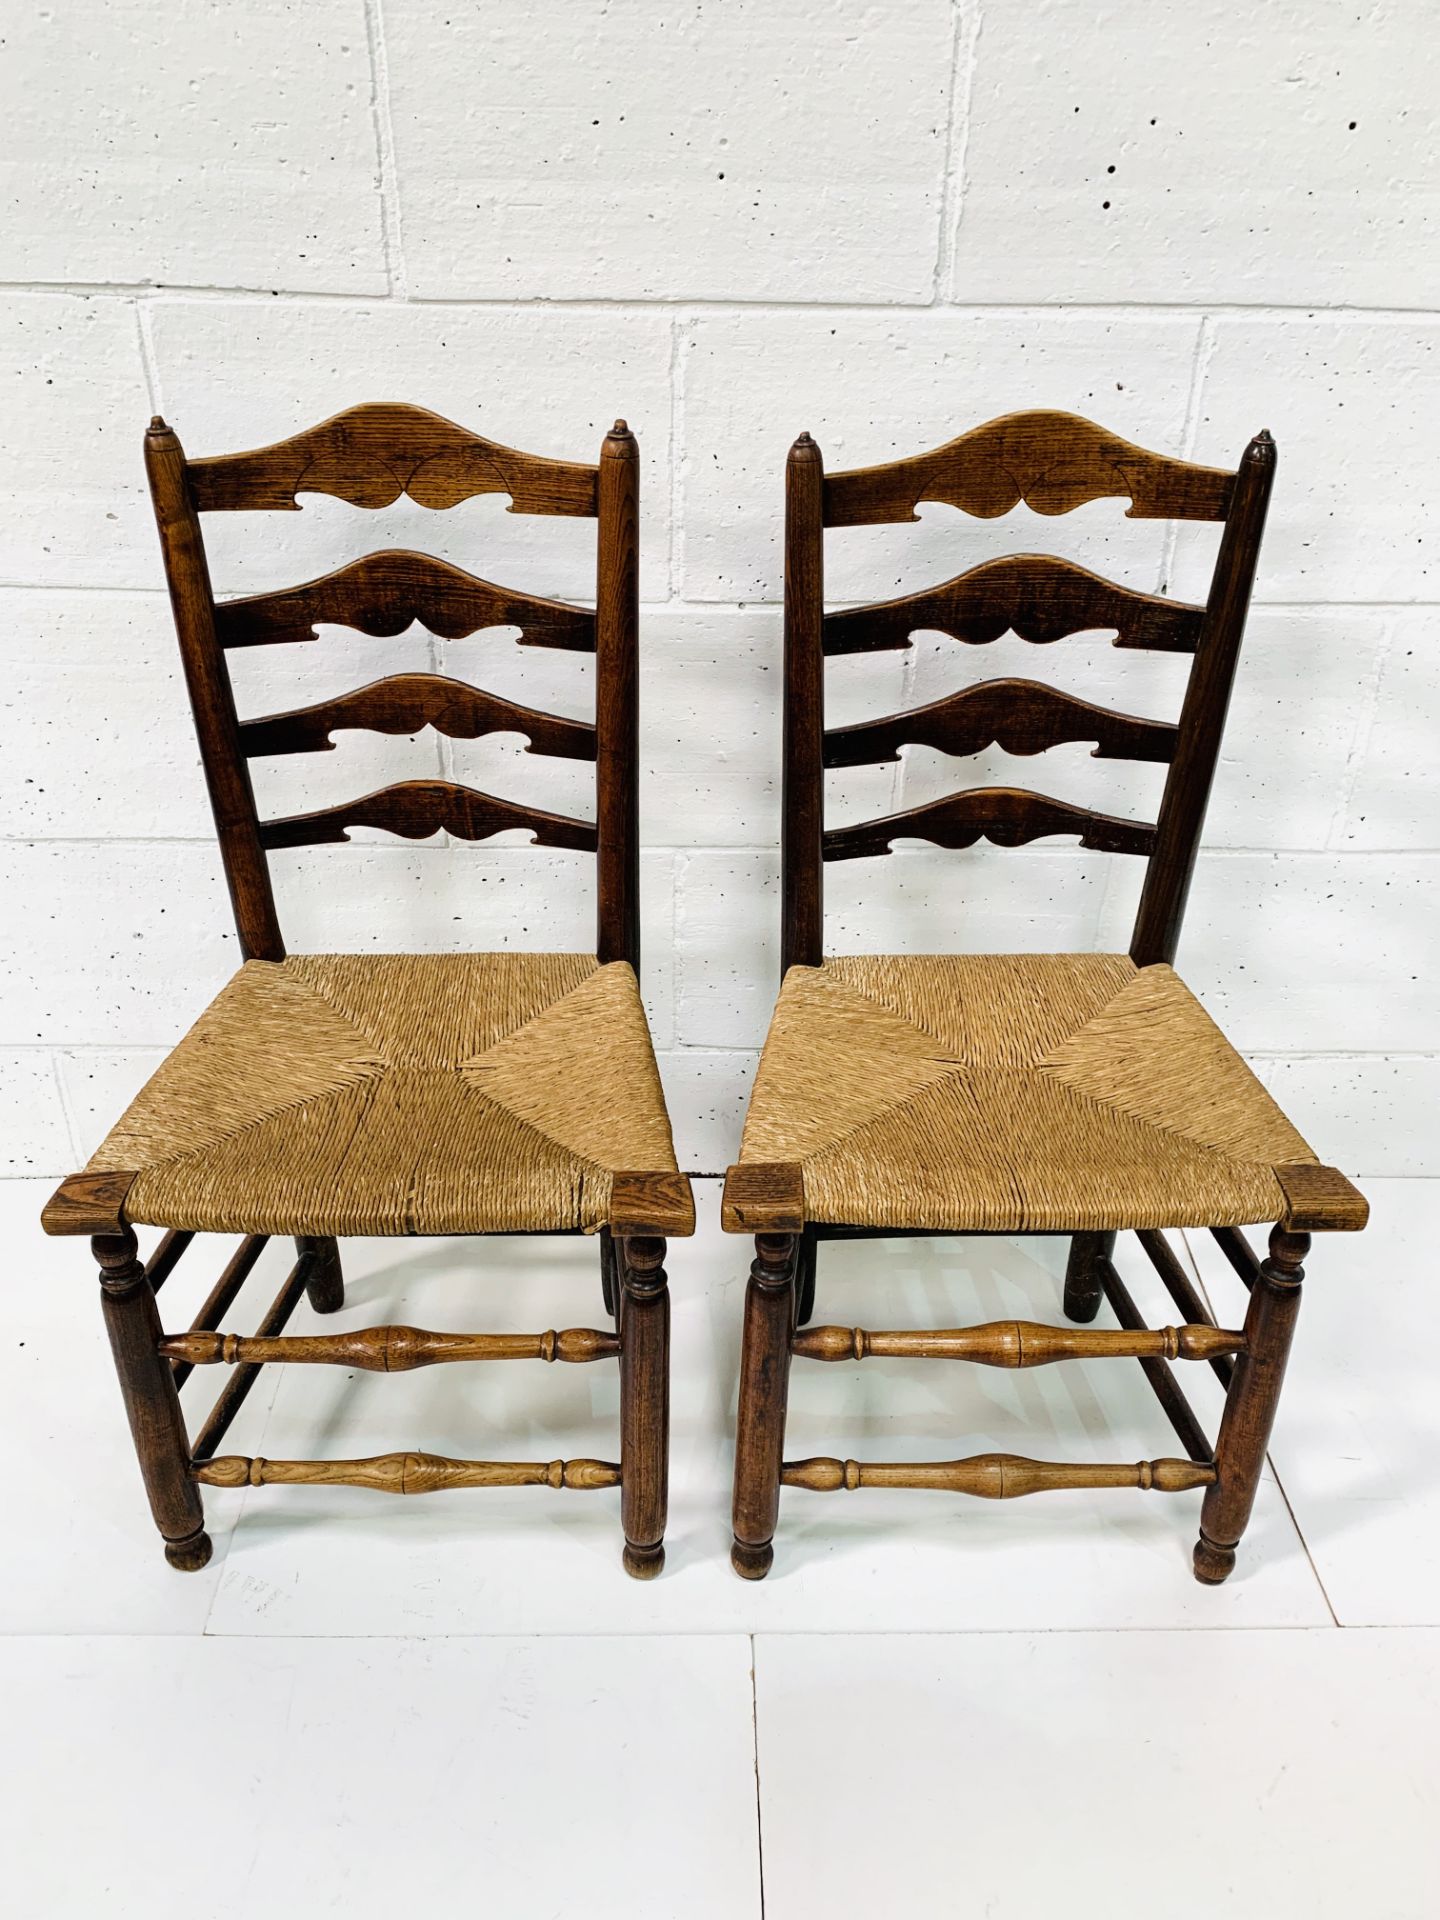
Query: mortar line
{"type": "Point", "coordinates": [148, 359]}
{"type": "Point", "coordinates": [1199, 367]}
{"type": "Point", "coordinates": [964, 30]}
{"type": "Point", "coordinates": [387, 178]}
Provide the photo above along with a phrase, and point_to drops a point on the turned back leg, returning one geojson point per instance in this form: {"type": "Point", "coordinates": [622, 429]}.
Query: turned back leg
{"type": "Point", "coordinates": [325, 1284]}
{"type": "Point", "coordinates": [644, 1401]}
{"type": "Point", "coordinates": [1083, 1291]}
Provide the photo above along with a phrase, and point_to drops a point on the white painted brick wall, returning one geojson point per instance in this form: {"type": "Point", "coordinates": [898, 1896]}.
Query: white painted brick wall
{"type": "Point", "coordinates": [727, 222]}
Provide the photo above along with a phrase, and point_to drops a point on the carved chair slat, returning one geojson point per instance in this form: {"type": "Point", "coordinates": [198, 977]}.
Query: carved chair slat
{"type": "Point", "coordinates": [384, 593]}
{"type": "Point", "coordinates": [417, 808]}
{"type": "Point", "coordinates": [1020, 716]}
{"type": "Point", "coordinates": [1006, 816]}
{"type": "Point", "coordinates": [1036, 596]}
{"type": "Point", "coordinates": [406, 702]}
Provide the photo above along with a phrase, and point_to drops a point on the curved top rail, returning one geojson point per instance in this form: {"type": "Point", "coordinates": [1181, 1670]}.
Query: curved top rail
{"type": "Point", "coordinates": [1053, 462]}
{"type": "Point", "coordinates": [370, 455]}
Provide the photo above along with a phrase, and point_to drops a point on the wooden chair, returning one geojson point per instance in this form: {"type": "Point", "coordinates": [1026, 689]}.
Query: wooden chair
{"type": "Point", "coordinates": [321, 1094]}
{"type": "Point", "coordinates": [1044, 1093]}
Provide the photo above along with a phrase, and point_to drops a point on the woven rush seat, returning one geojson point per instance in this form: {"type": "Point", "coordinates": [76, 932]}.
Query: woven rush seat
{"type": "Point", "coordinates": [399, 1094]}
{"type": "Point", "coordinates": [1012, 1093]}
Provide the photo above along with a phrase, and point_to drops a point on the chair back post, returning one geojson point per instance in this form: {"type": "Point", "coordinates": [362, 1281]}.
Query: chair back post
{"type": "Point", "coordinates": [802, 803]}
{"type": "Point", "coordinates": [212, 701]}
{"type": "Point", "coordinates": [617, 706]}
{"type": "Point", "coordinates": [1183, 805]}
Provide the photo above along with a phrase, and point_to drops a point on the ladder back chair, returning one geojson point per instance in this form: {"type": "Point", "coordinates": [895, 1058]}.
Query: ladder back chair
{"type": "Point", "coordinates": [322, 1095]}
{"type": "Point", "coordinates": [1077, 1094]}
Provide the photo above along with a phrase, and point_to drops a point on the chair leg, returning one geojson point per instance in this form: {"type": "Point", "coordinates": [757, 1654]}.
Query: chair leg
{"type": "Point", "coordinates": [764, 1384]}
{"type": "Point", "coordinates": [152, 1403]}
{"type": "Point", "coordinates": [644, 1402]}
{"type": "Point", "coordinates": [1250, 1405]}
{"type": "Point", "coordinates": [1083, 1292]}
{"type": "Point", "coordinates": [806, 1266]}
{"type": "Point", "coordinates": [325, 1289]}
{"type": "Point", "coordinates": [607, 1273]}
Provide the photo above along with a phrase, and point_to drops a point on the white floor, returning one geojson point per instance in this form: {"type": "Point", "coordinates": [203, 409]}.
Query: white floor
{"type": "Point", "coordinates": [933, 1705]}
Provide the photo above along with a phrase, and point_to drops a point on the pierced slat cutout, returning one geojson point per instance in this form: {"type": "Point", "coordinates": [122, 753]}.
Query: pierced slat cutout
{"type": "Point", "coordinates": [384, 593]}
{"type": "Point", "coordinates": [389, 1349]}
{"type": "Point", "coordinates": [1006, 816]}
{"type": "Point", "coordinates": [1053, 462]}
{"type": "Point", "coordinates": [1021, 716]}
{"type": "Point", "coordinates": [370, 455]}
{"type": "Point", "coordinates": [1034, 595]}
{"type": "Point", "coordinates": [417, 808]}
{"type": "Point", "coordinates": [1016, 1343]}
{"type": "Point", "coordinates": [406, 702]}
{"type": "Point", "coordinates": [404, 1473]}
{"type": "Point", "coordinates": [994, 1476]}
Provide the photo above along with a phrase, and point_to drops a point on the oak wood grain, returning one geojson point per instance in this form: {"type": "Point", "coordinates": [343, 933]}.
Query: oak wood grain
{"type": "Point", "coordinates": [1006, 816]}
{"type": "Point", "coordinates": [1035, 596]}
{"type": "Point", "coordinates": [1014, 1343]}
{"type": "Point", "coordinates": [372, 454]}
{"type": "Point", "coordinates": [994, 1476]}
{"type": "Point", "coordinates": [391, 1349]}
{"type": "Point", "coordinates": [1019, 716]}
{"type": "Point", "coordinates": [1052, 462]}
{"type": "Point", "coordinates": [407, 702]}
{"type": "Point", "coordinates": [417, 808]}
{"type": "Point", "coordinates": [405, 1473]}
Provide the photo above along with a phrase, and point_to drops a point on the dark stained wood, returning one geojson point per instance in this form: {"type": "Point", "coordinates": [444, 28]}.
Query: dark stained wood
{"type": "Point", "coordinates": [1006, 816]}
{"type": "Point", "coordinates": [995, 1476]}
{"type": "Point", "coordinates": [236, 1390]}
{"type": "Point", "coordinates": [1177, 1284]}
{"type": "Point", "coordinates": [222, 1295]}
{"type": "Point", "coordinates": [384, 593]}
{"type": "Point", "coordinates": [88, 1203]}
{"type": "Point", "coordinates": [370, 455]}
{"type": "Point", "coordinates": [1033, 595]}
{"type": "Point", "coordinates": [764, 1391]}
{"type": "Point", "coordinates": [653, 1206]}
{"type": "Point", "coordinates": [406, 1473]}
{"type": "Point", "coordinates": [802, 797]}
{"type": "Point", "coordinates": [1321, 1200]}
{"type": "Point", "coordinates": [389, 1349]}
{"type": "Point", "coordinates": [417, 808]}
{"type": "Point", "coordinates": [152, 1404]}
{"type": "Point", "coordinates": [324, 1280]}
{"type": "Point", "coordinates": [761, 1198]}
{"type": "Point", "coordinates": [644, 1401]}
{"type": "Point", "coordinates": [1162, 1381]}
{"type": "Point", "coordinates": [1084, 1285]}
{"type": "Point", "coordinates": [1250, 1405]}
{"type": "Point", "coordinates": [1238, 1251]}
{"type": "Point", "coordinates": [1020, 716]}
{"type": "Point", "coordinates": [1053, 462]}
{"type": "Point", "coordinates": [232, 800]}
{"type": "Point", "coordinates": [1202, 718]}
{"type": "Point", "coordinates": [166, 1257]}
{"type": "Point", "coordinates": [408, 702]}
{"type": "Point", "coordinates": [1015, 1343]}
{"type": "Point", "coordinates": [617, 699]}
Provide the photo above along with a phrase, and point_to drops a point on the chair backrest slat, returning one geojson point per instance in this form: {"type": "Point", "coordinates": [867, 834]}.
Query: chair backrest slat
{"type": "Point", "coordinates": [370, 456]}
{"type": "Point", "coordinates": [384, 593]}
{"type": "Point", "coordinates": [1053, 462]}
{"type": "Point", "coordinates": [1033, 595]}
{"type": "Point", "coordinates": [417, 808]}
{"type": "Point", "coordinates": [405, 703]}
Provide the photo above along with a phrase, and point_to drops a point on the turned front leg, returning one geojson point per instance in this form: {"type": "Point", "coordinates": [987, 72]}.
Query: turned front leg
{"type": "Point", "coordinates": [152, 1403]}
{"type": "Point", "coordinates": [764, 1385]}
{"type": "Point", "coordinates": [644, 1401]}
{"type": "Point", "coordinates": [1083, 1291]}
{"type": "Point", "coordinates": [1250, 1405]}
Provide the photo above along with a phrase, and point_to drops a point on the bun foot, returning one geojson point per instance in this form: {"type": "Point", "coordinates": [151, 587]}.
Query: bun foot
{"type": "Point", "coordinates": [751, 1563]}
{"type": "Point", "coordinates": [643, 1563]}
{"type": "Point", "coordinates": [1212, 1564]}
{"type": "Point", "coordinates": [190, 1554]}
